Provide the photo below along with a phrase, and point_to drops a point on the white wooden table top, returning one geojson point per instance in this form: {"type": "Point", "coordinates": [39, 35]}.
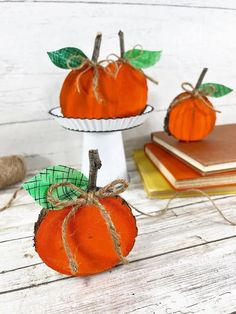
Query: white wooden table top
{"type": "Point", "coordinates": [184, 262]}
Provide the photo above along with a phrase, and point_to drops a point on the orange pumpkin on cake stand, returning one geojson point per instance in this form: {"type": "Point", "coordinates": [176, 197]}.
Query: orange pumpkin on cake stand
{"type": "Point", "coordinates": [103, 98]}
{"type": "Point", "coordinates": [191, 116]}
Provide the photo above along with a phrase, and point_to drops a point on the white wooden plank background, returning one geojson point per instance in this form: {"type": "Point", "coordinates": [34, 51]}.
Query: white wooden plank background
{"type": "Point", "coordinates": [180, 264]}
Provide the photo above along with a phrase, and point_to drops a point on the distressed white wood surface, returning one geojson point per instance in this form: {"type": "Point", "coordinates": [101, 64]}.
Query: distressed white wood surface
{"type": "Point", "coordinates": [187, 282]}
{"type": "Point", "coordinates": [209, 4]}
{"type": "Point", "coordinates": [183, 262]}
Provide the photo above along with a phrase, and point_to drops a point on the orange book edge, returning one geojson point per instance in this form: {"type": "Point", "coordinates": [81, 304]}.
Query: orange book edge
{"type": "Point", "coordinates": [180, 175]}
{"type": "Point", "coordinates": [157, 187]}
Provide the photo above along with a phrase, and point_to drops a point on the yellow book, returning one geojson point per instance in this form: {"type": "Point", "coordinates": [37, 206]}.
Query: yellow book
{"type": "Point", "coordinates": [156, 186]}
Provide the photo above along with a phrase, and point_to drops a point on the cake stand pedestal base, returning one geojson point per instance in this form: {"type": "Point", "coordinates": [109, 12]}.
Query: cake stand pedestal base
{"type": "Point", "coordinates": [106, 136]}
{"type": "Point", "coordinates": [111, 151]}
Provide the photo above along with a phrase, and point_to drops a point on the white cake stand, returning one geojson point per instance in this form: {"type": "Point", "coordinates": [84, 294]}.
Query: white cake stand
{"type": "Point", "coordinates": [104, 135]}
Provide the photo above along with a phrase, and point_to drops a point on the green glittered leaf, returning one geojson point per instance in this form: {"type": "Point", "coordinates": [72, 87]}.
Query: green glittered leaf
{"type": "Point", "coordinates": [142, 59]}
{"type": "Point", "coordinates": [67, 58]}
{"type": "Point", "coordinates": [38, 186]}
{"type": "Point", "coordinates": [220, 90]}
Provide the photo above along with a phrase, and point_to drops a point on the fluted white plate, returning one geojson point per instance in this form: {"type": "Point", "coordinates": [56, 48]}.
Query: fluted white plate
{"type": "Point", "coordinates": [100, 125]}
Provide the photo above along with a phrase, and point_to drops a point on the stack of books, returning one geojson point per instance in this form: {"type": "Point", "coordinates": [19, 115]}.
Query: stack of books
{"type": "Point", "coordinates": [167, 165]}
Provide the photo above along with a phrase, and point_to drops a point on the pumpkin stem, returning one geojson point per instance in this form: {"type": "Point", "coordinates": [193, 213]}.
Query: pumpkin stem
{"type": "Point", "coordinates": [201, 77]}
{"type": "Point", "coordinates": [94, 165]}
{"type": "Point", "coordinates": [122, 44]}
{"type": "Point", "coordinates": [96, 49]}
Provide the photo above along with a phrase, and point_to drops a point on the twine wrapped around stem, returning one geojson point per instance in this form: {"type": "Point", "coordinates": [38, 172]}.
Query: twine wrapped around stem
{"type": "Point", "coordinates": [88, 64]}
{"type": "Point", "coordinates": [96, 65]}
{"type": "Point", "coordinates": [123, 59]}
{"type": "Point", "coordinates": [193, 92]}
{"type": "Point", "coordinates": [92, 197]}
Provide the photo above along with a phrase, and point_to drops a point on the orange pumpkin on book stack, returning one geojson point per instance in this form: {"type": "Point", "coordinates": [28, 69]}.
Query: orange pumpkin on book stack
{"type": "Point", "coordinates": [167, 165]}
{"type": "Point", "coordinates": [94, 91]}
{"type": "Point", "coordinates": [191, 116]}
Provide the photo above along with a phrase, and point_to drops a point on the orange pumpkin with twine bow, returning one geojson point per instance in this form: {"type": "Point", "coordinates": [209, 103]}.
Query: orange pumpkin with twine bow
{"type": "Point", "coordinates": [86, 234]}
{"type": "Point", "coordinates": [130, 81]}
{"type": "Point", "coordinates": [191, 116]}
{"type": "Point", "coordinates": [94, 91]}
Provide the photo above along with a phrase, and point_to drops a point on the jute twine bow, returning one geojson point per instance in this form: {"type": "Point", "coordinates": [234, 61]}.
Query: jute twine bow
{"type": "Point", "coordinates": [88, 64]}
{"type": "Point", "coordinates": [194, 92]}
{"type": "Point", "coordinates": [110, 190]}
{"type": "Point", "coordinates": [122, 60]}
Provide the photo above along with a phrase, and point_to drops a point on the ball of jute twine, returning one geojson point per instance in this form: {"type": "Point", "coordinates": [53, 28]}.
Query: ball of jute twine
{"type": "Point", "coordinates": [12, 170]}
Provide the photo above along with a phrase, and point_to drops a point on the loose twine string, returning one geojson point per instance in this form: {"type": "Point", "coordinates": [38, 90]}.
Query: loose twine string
{"type": "Point", "coordinates": [11, 200]}
{"type": "Point", "coordinates": [112, 189]}
{"type": "Point", "coordinates": [193, 92]}
{"type": "Point", "coordinates": [179, 193]}
{"type": "Point", "coordinates": [99, 65]}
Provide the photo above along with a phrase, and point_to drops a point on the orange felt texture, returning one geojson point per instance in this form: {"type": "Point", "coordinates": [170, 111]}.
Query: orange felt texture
{"type": "Point", "coordinates": [121, 96]}
{"type": "Point", "coordinates": [131, 85]}
{"type": "Point", "coordinates": [87, 236]}
{"type": "Point", "coordinates": [191, 119]}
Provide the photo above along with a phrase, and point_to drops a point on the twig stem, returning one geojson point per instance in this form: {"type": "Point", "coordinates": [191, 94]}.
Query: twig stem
{"type": "Point", "coordinates": [96, 48]}
{"type": "Point", "coordinates": [122, 44]}
{"type": "Point", "coordinates": [201, 77]}
{"type": "Point", "coordinates": [94, 165]}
